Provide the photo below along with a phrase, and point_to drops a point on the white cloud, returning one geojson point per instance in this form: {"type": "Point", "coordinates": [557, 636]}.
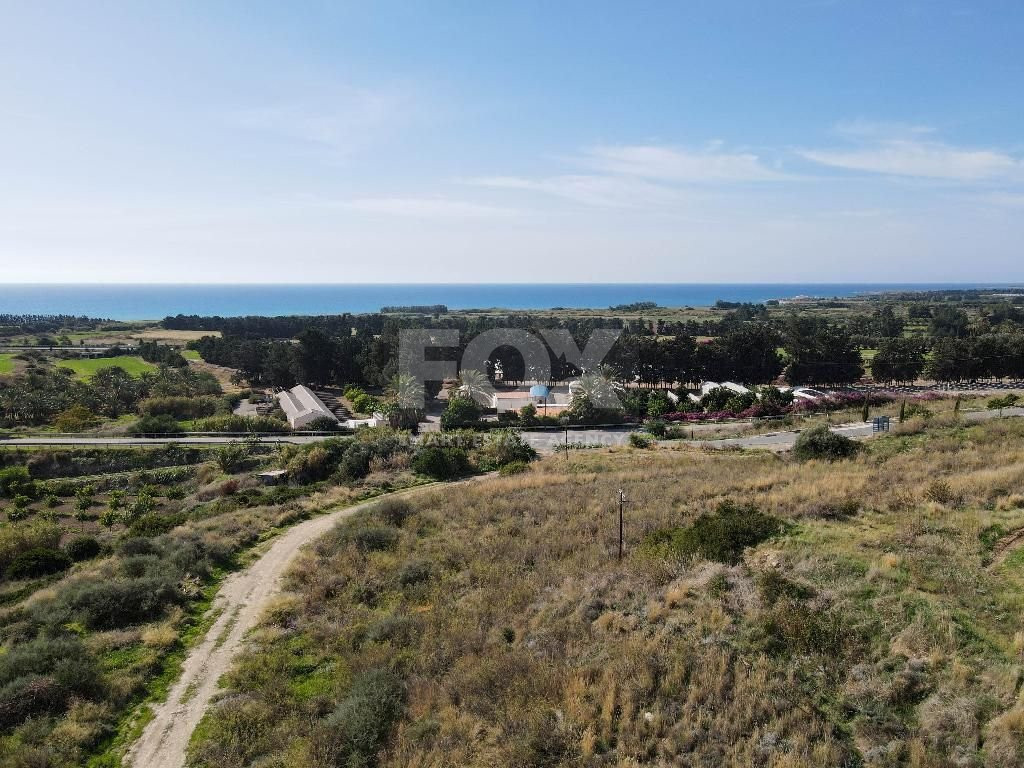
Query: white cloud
{"type": "Point", "coordinates": [594, 190]}
{"type": "Point", "coordinates": [922, 159]}
{"type": "Point", "coordinates": [706, 166]}
{"type": "Point", "coordinates": [424, 207]}
{"type": "Point", "coordinates": [641, 175]}
{"type": "Point", "coordinates": [342, 119]}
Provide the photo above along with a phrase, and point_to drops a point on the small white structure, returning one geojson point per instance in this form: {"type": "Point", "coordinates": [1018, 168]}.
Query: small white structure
{"type": "Point", "coordinates": [732, 386]}
{"type": "Point", "coordinates": [301, 406]}
{"type": "Point", "coordinates": [375, 421]}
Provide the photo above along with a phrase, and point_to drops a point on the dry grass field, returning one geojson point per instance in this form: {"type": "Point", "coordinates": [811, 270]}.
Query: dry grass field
{"type": "Point", "coordinates": [494, 626]}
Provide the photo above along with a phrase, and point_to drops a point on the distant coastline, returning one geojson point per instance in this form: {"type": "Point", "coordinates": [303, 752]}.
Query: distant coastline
{"type": "Point", "coordinates": [154, 302]}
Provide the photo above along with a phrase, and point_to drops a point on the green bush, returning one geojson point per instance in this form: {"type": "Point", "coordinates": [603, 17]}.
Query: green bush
{"type": "Point", "coordinates": [179, 407]}
{"type": "Point", "coordinates": [156, 425]}
{"type": "Point", "coordinates": [241, 424]}
{"type": "Point", "coordinates": [82, 548]}
{"type": "Point", "coordinates": [16, 481]}
{"type": "Point", "coordinates": [396, 629]}
{"type": "Point", "coordinates": [394, 512]}
{"type": "Point", "coordinates": [364, 403]}
{"type": "Point", "coordinates": [355, 462]}
{"type": "Point", "coordinates": [38, 561]}
{"type": "Point", "coordinates": [414, 572]}
{"type": "Point", "coordinates": [41, 675]}
{"type": "Point", "coordinates": [1006, 401]}
{"type": "Point", "coordinates": [441, 462]}
{"type": "Point", "coordinates": [822, 443]}
{"type": "Point", "coordinates": [116, 604]}
{"type": "Point", "coordinates": [503, 447]}
{"type": "Point", "coordinates": [513, 468]}
{"type": "Point", "coordinates": [721, 536]}
{"type": "Point", "coordinates": [655, 427]}
{"type": "Point", "coordinates": [362, 722]}
{"type": "Point", "coordinates": [15, 539]}
{"type": "Point", "coordinates": [461, 411]}
{"type": "Point", "coordinates": [640, 440]}
{"type": "Point", "coordinates": [153, 524]}
{"type": "Point", "coordinates": [323, 424]}
{"type": "Point", "coordinates": [376, 539]}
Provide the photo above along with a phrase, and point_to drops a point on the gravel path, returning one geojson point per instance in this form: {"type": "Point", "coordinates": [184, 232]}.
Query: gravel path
{"type": "Point", "coordinates": [241, 601]}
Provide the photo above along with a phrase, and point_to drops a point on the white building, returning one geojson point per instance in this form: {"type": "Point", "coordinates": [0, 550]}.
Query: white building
{"type": "Point", "coordinates": [301, 406]}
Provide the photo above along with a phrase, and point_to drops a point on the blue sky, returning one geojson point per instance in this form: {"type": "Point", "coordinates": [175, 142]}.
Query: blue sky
{"type": "Point", "coordinates": [721, 141]}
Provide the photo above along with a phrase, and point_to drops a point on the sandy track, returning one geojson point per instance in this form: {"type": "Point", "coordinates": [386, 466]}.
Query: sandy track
{"type": "Point", "coordinates": [241, 601]}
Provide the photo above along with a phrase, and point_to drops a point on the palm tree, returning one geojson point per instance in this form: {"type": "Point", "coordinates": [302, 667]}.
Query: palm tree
{"type": "Point", "coordinates": [474, 385]}
{"type": "Point", "coordinates": [601, 389]}
{"type": "Point", "coordinates": [409, 391]}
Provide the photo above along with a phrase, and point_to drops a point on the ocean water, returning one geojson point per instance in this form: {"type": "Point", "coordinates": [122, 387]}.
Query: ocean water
{"type": "Point", "coordinates": [154, 302]}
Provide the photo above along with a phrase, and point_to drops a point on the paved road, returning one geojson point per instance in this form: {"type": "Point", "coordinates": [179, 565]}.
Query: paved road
{"type": "Point", "coordinates": [545, 442]}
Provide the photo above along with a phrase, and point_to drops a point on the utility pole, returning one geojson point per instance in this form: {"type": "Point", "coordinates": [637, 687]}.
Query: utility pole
{"type": "Point", "coordinates": [622, 503]}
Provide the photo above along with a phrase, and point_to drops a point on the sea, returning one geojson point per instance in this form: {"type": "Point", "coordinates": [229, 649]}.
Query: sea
{"type": "Point", "coordinates": [156, 301]}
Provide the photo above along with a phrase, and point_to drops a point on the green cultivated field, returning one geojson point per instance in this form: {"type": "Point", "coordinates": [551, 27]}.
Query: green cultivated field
{"type": "Point", "coordinates": [6, 364]}
{"type": "Point", "coordinates": [190, 354]}
{"type": "Point", "coordinates": [87, 368]}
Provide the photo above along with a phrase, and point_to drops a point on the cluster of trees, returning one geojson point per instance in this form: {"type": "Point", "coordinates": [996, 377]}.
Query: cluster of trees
{"type": "Point", "coordinates": [41, 395]}
{"type": "Point", "coordinates": [11, 325]}
{"type": "Point", "coordinates": [989, 355]}
{"type": "Point", "coordinates": [752, 351]}
{"type": "Point", "coordinates": [749, 345]}
{"type": "Point", "coordinates": [160, 354]}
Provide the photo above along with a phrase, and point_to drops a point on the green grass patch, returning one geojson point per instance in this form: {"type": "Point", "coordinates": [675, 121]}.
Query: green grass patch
{"type": "Point", "coordinates": [191, 354]}
{"type": "Point", "coordinates": [89, 367]}
{"type": "Point", "coordinates": [6, 364]}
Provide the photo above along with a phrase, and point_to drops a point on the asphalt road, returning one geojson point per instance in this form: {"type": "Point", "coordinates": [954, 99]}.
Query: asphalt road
{"type": "Point", "coordinates": [545, 441]}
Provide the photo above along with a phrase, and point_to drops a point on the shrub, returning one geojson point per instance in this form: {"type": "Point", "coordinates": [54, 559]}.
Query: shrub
{"type": "Point", "coordinates": [376, 539]}
{"type": "Point", "coordinates": [414, 572]}
{"type": "Point", "coordinates": [441, 462]}
{"type": "Point", "coordinates": [355, 462]}
{"type": "Point", "coordinates": [37, 676]}
{"type": "Point", "coordinates": [721, 536]}
{"type": "Point", "coordinates": [230, 457]}
{"type": "Point", "coordinates": [503, 447]}
{"type": "Point", "coordinates": [82, 548]}
{"type": "Point", "coordinates": [27, 696]}
{"type": "Point", "coordinates": [364, 403]}
{"type": "Point", "coordinates": [115, 604]}
{"type": "Point", "coordinates": [640, 440]}
{"type": "Point", "coordinates": [77, 418]}
{"type": "Point", "coordinates": [155, 523]}
{"type": "Point", "coordinates": [136, 546]}
{"type": "Point", "coordinates": [156, 425]}
{"type": "Point", "coordinates": [361, 723]}
{"type": "Point", "coordinates": [655, 427]}
{"type": "Point", "coordinates": [15, 539]}
{"type": "Point", "coordinates": [16, 513]}
{"type": "Point", "coordinates": [179, 407]}
{"type": "Point", "coordinates": [14, 481]}
{"type": "Point", "coordinates": [395, 629]}
{"type": "Point", "coordinates": [323, 424]}
{"type": "Point", "coordinates": [39, 561]}
{"type": "Point", "coordinates": [241, 424]}
{"type": "Point", "coordinates": [461, 411]}
{"type": "Point", "coordinates": [822, 443]}
{"type": "Point", "coordinates": [1006, 401]}
{"type": "Point", "coordinates": [513, 468]}
{"type": "Point", "coordinates": [394, 512]}
{"type": "Point", "coordinates": [313, 463]}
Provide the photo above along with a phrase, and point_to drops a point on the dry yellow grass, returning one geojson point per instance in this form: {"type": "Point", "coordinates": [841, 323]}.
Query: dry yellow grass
{"type": "Point", "coordinates": [872, 631]}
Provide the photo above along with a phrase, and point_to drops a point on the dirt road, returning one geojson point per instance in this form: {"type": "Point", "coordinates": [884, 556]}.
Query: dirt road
{"type": "Point", "coordinates": [241, 601]}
